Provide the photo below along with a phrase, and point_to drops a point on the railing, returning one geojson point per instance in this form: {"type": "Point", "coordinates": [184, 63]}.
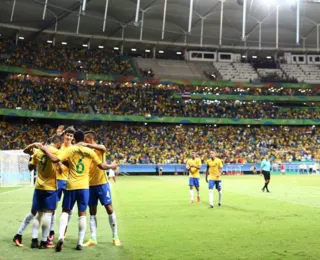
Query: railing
{"type": "Point", "coordinates": [230, 169]}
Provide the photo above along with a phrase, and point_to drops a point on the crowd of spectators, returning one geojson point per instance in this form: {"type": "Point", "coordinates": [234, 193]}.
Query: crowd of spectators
{"type": "Point", "coordinates": [64, 59]}
{"type": "Point", "coordinates": [116, 99]}
{"type": "Point", "coordinates": [252, 91]}
{"type": "Point", "coordinates": [174, 144]}
{"type": "Point", "coordinates": [42, 95]}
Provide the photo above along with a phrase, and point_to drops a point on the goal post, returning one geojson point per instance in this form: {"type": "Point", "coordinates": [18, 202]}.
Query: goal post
{"type": "Point", "coordinates": [14, 168]}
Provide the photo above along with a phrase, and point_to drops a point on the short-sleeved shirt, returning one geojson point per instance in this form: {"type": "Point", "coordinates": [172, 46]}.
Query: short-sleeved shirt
{"type": "Point", "coordinates": [65, 170]}
{"type": "Point", "coordinates": [194, 172]}
{"type": "Point", "coordinates": [47, 170]}
{"type": "Point", "coordinates": [79, 159]}
{"type": "Point", "coordinates": [214, 168]}
{"type": "Point", "coordinates": [97, 176]}
{"type": "Point", "coordinates": [266, 165]}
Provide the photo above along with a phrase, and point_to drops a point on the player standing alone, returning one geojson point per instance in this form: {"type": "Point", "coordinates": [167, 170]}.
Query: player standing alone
{"type": "Point", "coordinates": [194, 166]}
{"type": "Point", "coordinates": [265, 171]}
{"type": "Point", "coordinates": [214, 167]}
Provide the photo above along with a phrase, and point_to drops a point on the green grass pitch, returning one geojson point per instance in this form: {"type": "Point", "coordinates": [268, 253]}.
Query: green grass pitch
{"type": "Point", "coordinates": [156, 221]}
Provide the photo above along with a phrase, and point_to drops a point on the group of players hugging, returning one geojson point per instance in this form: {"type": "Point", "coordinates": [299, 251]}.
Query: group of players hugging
{"type": "Point", "coordinates": [71, 163]}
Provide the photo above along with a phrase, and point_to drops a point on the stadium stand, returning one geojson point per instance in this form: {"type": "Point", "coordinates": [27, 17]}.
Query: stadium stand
{"type": "Point", "coordinates": [303, 73]}
{"type": "Point", "coordinates": [236, 72]}
{"type": "Point", "coordinates": [172, 144]}
{"type": "Point", "coordinates": [116, 99]}
{"type": "Point", "coordinates": [178, 69]}
{"type": "Point", "coordinates": [65, 59]}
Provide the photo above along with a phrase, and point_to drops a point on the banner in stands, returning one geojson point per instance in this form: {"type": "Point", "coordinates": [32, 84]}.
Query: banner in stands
{"type": "Point", "coordinates": [154, 119]}
{"type": "Point", "coordinates": [164, 81]}
{"type": "Point", "coordinates": [251, 98]}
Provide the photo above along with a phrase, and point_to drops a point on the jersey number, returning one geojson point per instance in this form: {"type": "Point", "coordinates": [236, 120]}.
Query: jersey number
{"type": "Point", "coordinates": [43, 162]}
{"type": "Point", "coordinates": [80, 166]}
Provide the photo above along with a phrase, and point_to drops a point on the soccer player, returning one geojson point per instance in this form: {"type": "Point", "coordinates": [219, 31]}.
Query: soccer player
{"type": "Point", "coordinates": [17, 239]}
{"type": "Point", "coordinates": [79, 159]}
{"type": "Point", "coordinates": [194, 166]}
{"type": "Point", "coordinates": [45, 194]}
{"type": "Point", "coordinates": [99, 190]}
{"type": "Point", "coordinates": [62, 175]}
{"type": "Point", "coordinates": [214, 168]}
{"type": "Point", "coordinates": [265, 168]}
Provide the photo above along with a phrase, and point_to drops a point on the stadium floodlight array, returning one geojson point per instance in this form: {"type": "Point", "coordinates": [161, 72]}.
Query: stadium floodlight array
{"type": "Point", "coordinates": [14, 168]}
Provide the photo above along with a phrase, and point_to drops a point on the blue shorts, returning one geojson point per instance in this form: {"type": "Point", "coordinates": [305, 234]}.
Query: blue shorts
{"type": "Point", "coordinates": [44, 199]}
{"type": "Point", "coordinates": [72, 196]}
{"type": "Point", "coordinates": [213, 184]}
{"type": "Point", "coordinates": [101, 193]}
{"type": "Point", "coordinates": [62, 185]}
{"type": "Point", "coordinates": [194, 182]}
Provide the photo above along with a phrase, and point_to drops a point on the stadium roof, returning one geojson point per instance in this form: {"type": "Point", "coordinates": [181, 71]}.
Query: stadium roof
{"type": "Point", "coordinates": [62, 16]}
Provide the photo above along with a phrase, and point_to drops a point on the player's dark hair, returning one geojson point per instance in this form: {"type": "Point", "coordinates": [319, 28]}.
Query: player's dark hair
{"type": "Point", "coordinates": [70, 130]}
{"type": "Point", "coordinates": [49, 140]}
{"type": "Point", "coordinates": [92, 134]}
{"type": "Point", "coordinates": [56, 139]}
{"type": "Point", "coordinates": [79, 136]}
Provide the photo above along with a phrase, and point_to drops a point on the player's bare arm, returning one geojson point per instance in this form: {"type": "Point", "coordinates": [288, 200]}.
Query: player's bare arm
{"type": "Point", "coordinates": [29, 148]}
{"type": "Point", "coordinates": [207, 172]}
{"type": "Point", "coordinates": [51, 156]}
{"type": "Point", "coordinates": [98, 147]}
{"type": "Point", "coordinates": [104, 166]}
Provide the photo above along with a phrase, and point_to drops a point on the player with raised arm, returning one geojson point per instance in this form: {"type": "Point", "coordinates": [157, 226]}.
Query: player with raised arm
{"type": "Point", "coordinates": [194, 166]}
{"type": "Point", "coordinates": [17, 239]}
{"type": "Point", "coordinates": [79, 159]}
{"type": "Point", "coordinates": [214, 168]}
{"type": "Point", "coordinates": [99, 190]}
{"type": "Point", "coordinates": [45, 194]}
{"type": "Point", "coordinates": [62, 175]}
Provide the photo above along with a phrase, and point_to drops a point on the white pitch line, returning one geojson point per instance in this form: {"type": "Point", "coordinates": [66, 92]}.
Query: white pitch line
{"type": "Point", "coordinates": [9, 191]}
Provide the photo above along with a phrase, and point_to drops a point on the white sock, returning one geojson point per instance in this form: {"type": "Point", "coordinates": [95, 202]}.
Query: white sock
{"type": "Point", "coordinates": [93, 226]}
{"type": "Point", "coordinates": [70, 215]}
{"type": "Point", "coordinates": [82, 229]}
{"type": "Point", "coordinates": [211, 197]}
{"type": "Point", "coordinates": [46, 221]}
{"type": "Point", "coordinates": [198, 193]}
{"type": "Point", "coordinates": [113, 224]}
{"type": "Point", "coordinates": [191, 194]}
{"type": "Point", "coordinates": [36, 225]}
{"type": "Point", "coordinates": [63, 224]}
{"type": "Point", "coordinates": [220, 196]}
{"type": "Point", "coordinates": [25, 223]}
{"type": "Point", "coordinates": [53, 221]}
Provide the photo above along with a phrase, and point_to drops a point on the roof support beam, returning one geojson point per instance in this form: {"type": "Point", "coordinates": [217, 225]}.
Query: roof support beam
{"type": "Point", "coordinates": [262, 21]}
{"type": "Point", "coordinates": [61, 16]}
{"type": "Point", "coordinates": [137, 12]}
{"type": "Point", "coordinates": [190, 16]}
{"type": "Point", "coordinates": [164, 19]}
{"type": "Point", "coordinates": [298, 23]}
{"type": "Point", "coordinates": [79, 18]}
{"type": "Point", "coordinates": [44, 10]}
{"type": "Point", "coordinates": [244, 20]}
{"type": "Point", "coordinates": [164, 43]}
{"type": "Point", "coordinates": [105, 16]}
{"type": "Point", "coordinates": [221, 23]}
{"type": "Point", "coordinates": [13, 9]}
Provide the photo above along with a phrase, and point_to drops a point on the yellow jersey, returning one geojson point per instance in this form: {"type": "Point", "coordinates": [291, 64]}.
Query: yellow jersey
{"type": "Point", "coordinates": [47, 170]}
{"type": "Point", "coordinates": [97, 176]}
{"type": "Point", "coordinates": [65, 170]}
{"type": "Point", "coordinates": [214, 168]}
{"type": "Point", "coordinates": [79, 159]}
{"type": "Point", "coordinates": [194, 172]}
